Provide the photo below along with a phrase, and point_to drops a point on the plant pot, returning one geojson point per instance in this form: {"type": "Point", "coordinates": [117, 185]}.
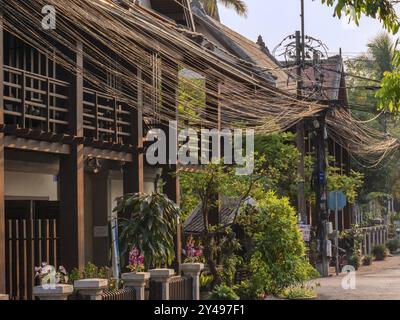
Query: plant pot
{"type": "Point", "coordinates": [136, 280]}
{"type": "Point", "coordinates": [53, 292]}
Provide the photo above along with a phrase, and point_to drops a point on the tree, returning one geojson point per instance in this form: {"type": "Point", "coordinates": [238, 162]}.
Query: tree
{"type": "Point", "coordinates": [211, 6]}
{"type": "Point", "coordinates": [149, 225]}
{"type": "Point", "coordinates": [373, 65]}
{"type": "Point", "coordinates": [207, 187]}
{"type": "Point", "coordinates": [277, 259]}
{"type": "Point", "coordinates": [382, 10]}
{"type": "Point", "coordinates": [368, 70]}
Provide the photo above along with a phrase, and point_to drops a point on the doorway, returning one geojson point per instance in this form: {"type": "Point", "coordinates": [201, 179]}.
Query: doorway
{"type": "Point", "coordinates": [32, 237]}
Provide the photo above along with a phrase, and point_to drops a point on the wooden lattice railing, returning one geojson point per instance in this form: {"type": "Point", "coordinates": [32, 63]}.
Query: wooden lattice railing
{"type": "Point", "coordinates": [106, 118]}
{"type": "Point", "coordinates": [34, 101]}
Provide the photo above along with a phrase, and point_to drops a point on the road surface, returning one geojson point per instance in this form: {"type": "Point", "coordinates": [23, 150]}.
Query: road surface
{"type": "Point", "coordinates": [381, 281]}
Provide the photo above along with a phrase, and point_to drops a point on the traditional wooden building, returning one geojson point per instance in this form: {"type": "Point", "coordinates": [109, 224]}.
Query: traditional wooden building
{"type": "Point", "coordinates": [73, 123]}
{"type": "Point", "coordinates": [68, 149]}
{"type": "Point", "coordinates": [76, 103]}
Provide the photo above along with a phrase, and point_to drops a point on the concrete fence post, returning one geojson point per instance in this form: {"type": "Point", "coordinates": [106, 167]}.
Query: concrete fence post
{"type": "Point", "coordinates": [193, 270]}
{"type": "Point", "coordinates": [365, 252]}
{"type": "Point", "coordinates": [164, 276]}
{"type": "Point", "coordinates": [136, 281]}
{"type": "Point", "coordinates": [369, 243]}
{"type": "Point", "coordinates": [91, 287]}
{"type": "Point", "coordinates": [53, 292]}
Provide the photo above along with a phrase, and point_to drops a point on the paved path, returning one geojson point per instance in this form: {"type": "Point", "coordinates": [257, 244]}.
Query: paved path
{"type": "Point", "coordinates": [381, 281]}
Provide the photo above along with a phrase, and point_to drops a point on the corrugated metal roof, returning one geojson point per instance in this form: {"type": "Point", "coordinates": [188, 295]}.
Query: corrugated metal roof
{"type": "Point", "coordinates": [194, 224]}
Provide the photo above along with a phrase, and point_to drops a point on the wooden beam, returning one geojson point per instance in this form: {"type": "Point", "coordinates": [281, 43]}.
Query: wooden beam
{"type": "Point", "coordinates": [134, 171]}
{"type": "Point", "coordinates": [72, 176]}
{"type": "Point", "coordinates": [2, 209]}
{"type": "Point", "coordinates": [90, 152]}
{"type": "Point", "coordinates": [11, 142]}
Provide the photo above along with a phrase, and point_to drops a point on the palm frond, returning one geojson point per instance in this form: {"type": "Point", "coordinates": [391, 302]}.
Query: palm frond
{"type": "Point", "coordinates": [211, 6]}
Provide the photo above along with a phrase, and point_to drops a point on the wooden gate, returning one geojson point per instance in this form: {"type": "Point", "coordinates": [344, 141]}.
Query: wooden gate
{"type": "Point", "coordinates": [32, 237]}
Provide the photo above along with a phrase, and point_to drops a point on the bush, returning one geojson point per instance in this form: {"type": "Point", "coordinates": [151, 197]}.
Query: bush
{"type": "Point", "coordinates": [299, 294]}
{"type": "Point", "coordinates": [379, 252]}
{"type": "Point", "coordinates": [355, 261]}
{"type": "Point", "coordinates": [393, 245]}
{"type": "Point", "coordinates": [205, 281]}
{"type": "Point", "coordinates": [223, 292]}
{"type": "Point", "coordinates": [279, 259]}
{"type": "Point", "coordinates": [367, 261]}
{"type": "Point", "coordinates": [90, 271]}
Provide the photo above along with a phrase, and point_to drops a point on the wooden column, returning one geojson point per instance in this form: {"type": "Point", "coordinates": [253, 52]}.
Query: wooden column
{"type": "Point", "coordinates": [134, 171]}
{"type": "Point", "coordinates": [2, 209]}
{"type": "Point", "coordinates": [71, 181]}
{"type": "Point", "coordinates": [170, 82]}
{"type": "Point", "coordinates": [100, 204]}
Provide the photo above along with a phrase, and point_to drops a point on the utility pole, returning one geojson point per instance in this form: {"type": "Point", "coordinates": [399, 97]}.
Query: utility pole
{"type": "Point", "coordinates": [320, 183]}
{"type": "Point", "coordinates": [295, 46]}
{"type": "Point", "coordinates": [300, 132]}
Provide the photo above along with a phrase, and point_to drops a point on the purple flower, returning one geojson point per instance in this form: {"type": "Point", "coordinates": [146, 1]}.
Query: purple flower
{"type": "Point", "coordinates": [62, 270]}
{"type": "Point", "coordinates": [136, 260]}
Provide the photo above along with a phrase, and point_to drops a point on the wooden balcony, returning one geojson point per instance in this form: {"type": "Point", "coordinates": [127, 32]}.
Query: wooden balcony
{"type": "Point", "coordinates": [105, 118]}
{"type": "Point", "coordinates": [41, 104]}
{"type": "Point", "coordinates": [35, 102]}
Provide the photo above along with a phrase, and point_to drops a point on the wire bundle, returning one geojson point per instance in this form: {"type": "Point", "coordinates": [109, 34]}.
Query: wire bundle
{"type": "Point", "coordinates": [118, 42]}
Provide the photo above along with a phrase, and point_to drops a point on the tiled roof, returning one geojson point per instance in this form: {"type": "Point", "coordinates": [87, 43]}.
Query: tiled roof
{"type": "Point", "coordinates": [330, 74]}
{"type": "Point", "coordinates": [330, 70]}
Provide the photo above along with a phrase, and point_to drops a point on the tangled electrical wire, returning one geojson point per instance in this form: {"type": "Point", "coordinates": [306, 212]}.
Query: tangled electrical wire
{"type": "Point", "coordinates": [158, 48]}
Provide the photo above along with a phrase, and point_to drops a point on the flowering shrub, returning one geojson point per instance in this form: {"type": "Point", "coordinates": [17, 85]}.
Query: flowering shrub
{"type": "Point", "coordinates": [47, 274]}
{"type": "Point", "coordinates": [136, 260]}
{"type": "Point", "coordinates": [193, 254]}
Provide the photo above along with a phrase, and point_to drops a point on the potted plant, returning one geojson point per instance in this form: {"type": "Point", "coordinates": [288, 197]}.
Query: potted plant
{"type": "Point", "coordinates": [149, 224]}
{"type": "Point", "coordinates": [53, 283]}
{"type": "Point", "coordinates": [380, 252]}
{"type": "Point", "coordinates": [147, 231]}
{"type": "Point", "coordinates": [136, 278]}
{"type": "Point", "coordinates": [192, 253]}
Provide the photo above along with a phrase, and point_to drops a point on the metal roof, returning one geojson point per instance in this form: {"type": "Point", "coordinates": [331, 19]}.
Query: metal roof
{"type": "Point", "coordinates": [194, 224]}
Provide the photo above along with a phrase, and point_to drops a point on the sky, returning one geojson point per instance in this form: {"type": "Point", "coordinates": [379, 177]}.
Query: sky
{"type": "Point", "coordinates": [275, 19]}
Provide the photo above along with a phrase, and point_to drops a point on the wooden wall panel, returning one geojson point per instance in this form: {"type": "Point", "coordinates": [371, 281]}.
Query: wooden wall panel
{"type": "Point", "coordinates": [2, 209]}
